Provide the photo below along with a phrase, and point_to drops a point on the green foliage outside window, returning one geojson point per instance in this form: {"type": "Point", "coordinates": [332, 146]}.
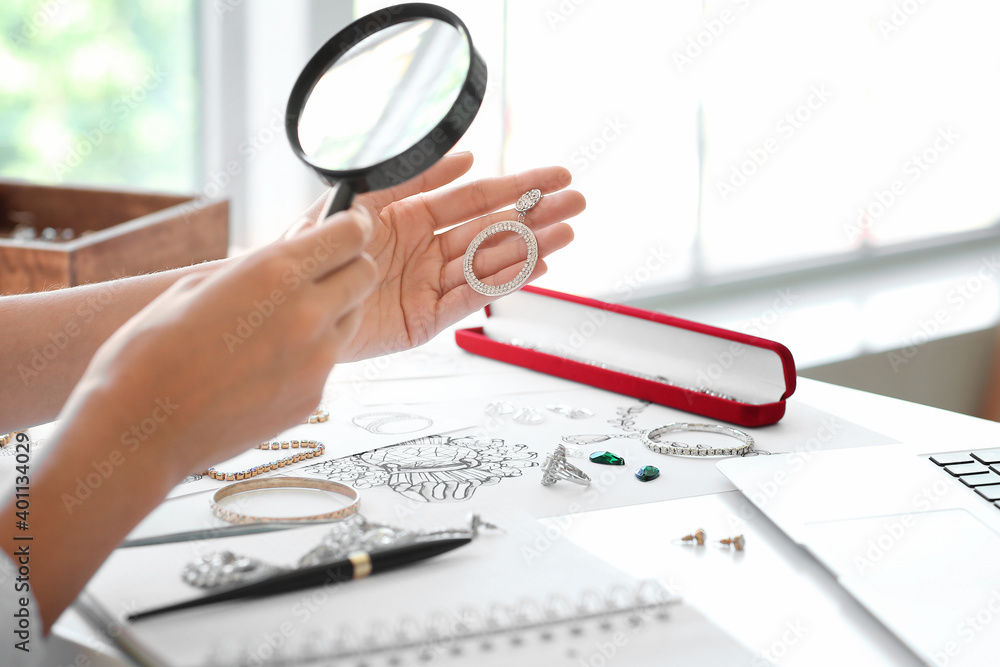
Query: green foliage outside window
{"type": "Point", "coordinates": [99, 92]}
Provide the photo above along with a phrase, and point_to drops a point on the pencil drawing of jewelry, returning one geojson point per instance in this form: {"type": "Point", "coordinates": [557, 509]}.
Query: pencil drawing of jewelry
{"type": "Point", "coordinates": [625, 422]}
{"type": "Point", "coordinates": [571, 412]}
{"type": "Point", "coordinates": [527, 415]}
{"type": "Point", "coordinates": [391, 423]}
{"type": "Point", "coordinates": [355, 533]}
{"type": "Point", "coordinates": [433, 469]}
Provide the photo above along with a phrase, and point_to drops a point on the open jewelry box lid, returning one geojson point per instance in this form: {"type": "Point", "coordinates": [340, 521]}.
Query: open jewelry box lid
{"type": "Point", "coordinates": [682, 364]}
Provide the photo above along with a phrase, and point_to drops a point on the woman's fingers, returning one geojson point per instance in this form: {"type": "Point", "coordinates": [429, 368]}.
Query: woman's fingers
{"type": "Point", "coordinates": [348, 325]}
{"type": "Point", "coordinates": [487, 195]}
{"type": "Point", "coordinates": [320, 250]}
{"type": "Point", "coordinates": [308, 218]}
{"type": "Point", "coordinates": [462, 300]}
{"type": "Point", "coordinates": [499, 264]}
{"type": "Point", "coordinates": [549, 210]}
{"type": "Point", "coordinates": [444, 171]}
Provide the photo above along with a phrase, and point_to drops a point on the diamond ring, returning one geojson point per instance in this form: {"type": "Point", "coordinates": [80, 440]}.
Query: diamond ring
{"type": "Point", "coordinates": [556, 467]}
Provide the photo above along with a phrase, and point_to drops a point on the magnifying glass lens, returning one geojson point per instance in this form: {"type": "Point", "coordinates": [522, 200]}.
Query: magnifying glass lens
{"type": "Point", "coordinates": [384, 95]}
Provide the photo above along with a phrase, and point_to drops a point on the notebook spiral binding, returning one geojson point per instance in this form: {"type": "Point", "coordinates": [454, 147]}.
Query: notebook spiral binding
{"type": "Point", "coordinates": [438, 634]}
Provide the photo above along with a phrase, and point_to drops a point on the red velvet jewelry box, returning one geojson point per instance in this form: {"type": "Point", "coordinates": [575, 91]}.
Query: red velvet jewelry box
{"type": "Point", "coordinates": [695, 367]}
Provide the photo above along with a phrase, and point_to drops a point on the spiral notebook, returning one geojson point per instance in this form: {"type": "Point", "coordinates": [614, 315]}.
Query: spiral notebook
{"type": "Point", "coordinates": [519, 596]}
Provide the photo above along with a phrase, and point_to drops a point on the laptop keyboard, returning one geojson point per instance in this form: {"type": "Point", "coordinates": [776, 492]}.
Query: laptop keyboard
{"type": "Point", "coordinates": [978, 470]}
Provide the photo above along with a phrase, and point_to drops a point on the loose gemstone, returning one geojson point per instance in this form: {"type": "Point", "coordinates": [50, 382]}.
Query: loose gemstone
{"type": "Point", "coordinates": [647, 473]}
{"type": "Point", "coordinates": [607, 458]}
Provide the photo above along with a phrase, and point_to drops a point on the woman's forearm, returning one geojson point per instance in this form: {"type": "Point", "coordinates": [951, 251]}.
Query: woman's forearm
{"type": "Point", "coordinates": [77, 503]}
{"type": "Point", "coordinates": [49, 338]}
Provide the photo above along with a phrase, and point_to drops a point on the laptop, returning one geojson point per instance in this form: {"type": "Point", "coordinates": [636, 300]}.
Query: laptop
{"type": "Point", "coordinates": [911, 531]}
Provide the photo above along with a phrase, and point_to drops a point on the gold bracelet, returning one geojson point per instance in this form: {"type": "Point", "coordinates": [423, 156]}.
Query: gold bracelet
{"type": "Point", "coordinates": [284, 483]}
{"type": "Point", "coordinates": [315, 449]}
{"type": "Point", "coordinates": [7, 437]}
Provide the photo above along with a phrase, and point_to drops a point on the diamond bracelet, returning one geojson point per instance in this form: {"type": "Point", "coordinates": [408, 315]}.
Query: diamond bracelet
{"type": "Point", "coordinates": [618, 369]}
{"type": "Point", "coordinates": [649, 439]}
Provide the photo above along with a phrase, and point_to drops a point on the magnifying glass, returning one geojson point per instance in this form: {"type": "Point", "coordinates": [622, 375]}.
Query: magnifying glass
{"type": "Point", "coordinates": [384, 99]}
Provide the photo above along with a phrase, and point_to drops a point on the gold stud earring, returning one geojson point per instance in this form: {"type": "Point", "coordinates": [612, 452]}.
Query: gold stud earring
{"type": "Point", "coordinates": [736, 542]}
{"type": "Point", "coordinates": [697, 536]}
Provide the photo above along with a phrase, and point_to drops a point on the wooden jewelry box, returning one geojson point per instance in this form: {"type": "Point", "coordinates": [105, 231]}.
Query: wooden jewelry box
{"type": "Point", "coordinates": [695, 367]}
{"type": "Point", "coordinates": [115, 234]}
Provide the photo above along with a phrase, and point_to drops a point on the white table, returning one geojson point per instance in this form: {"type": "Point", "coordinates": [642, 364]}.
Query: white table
{"type": "Point", "coordinates": [773, 596]}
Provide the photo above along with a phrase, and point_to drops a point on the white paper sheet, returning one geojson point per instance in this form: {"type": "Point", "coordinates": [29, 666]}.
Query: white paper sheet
{"type": "Point", "coordinates": [505, 471]}
{"type": "Point", "coordinates": [351, 428]}
{"type": "Point", "coordinates": [500, 463]}
{"type": "Point", "coordinates": [493, 580]}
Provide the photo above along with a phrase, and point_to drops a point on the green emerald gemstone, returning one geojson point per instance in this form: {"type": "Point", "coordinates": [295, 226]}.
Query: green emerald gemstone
{"type": "Point", "coordinates": [647, 473]}
{"type": "Point", "coordinates": [607, 458]}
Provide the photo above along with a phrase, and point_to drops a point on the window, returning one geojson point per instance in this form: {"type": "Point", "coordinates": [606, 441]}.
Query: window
{"type": "Point", "coordinates": [747, 136]}
{"type": "Point", "coordinates": [716, 141]}
{"type": "Point", "coordinates": [729, 138]}
{"type": "Point", "coordinates": [99, 92]}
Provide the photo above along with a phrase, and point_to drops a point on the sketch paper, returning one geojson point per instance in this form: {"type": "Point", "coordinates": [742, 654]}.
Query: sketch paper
{"type": "Point", "coordinates": [526, 570]}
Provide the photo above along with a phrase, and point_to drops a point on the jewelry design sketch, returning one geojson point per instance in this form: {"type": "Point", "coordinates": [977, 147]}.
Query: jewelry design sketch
{"type": "Point", "coordinates": [391, 423]}
{"type": "Point", "coordinates": [431, 469]}
{"type": "Point", "coordinates": [571, 412]}
{"type": "Point", "coordinates": [625, 422]}
{"type": "Point", "coordinates": [527, 201]}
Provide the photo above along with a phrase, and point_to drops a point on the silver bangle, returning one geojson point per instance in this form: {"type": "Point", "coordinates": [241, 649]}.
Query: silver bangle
{"type": "Point", "coordinates": [649, 439]}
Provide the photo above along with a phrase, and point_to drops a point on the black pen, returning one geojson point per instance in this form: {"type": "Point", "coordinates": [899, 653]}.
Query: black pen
{"type": "Point", "coordinates": [356, 566]}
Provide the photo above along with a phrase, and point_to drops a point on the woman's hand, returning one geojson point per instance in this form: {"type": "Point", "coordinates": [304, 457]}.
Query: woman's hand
{"type": "Point", "coordinates": [418, 245]}
{"type": "Point", "coordinates": [243, 351]}
{"type": "Point", "coordinates": [218, 362]}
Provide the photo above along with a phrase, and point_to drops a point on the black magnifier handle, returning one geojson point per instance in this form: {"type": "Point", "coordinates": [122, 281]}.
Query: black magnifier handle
{"type": "Point", "coordinates": [339, 199]}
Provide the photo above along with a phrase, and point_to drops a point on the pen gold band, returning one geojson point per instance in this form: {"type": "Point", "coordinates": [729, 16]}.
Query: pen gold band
{"type": "Point", "coordinates": [284, 482]}
{"type": "Point", "coordinates": [362, 563]}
